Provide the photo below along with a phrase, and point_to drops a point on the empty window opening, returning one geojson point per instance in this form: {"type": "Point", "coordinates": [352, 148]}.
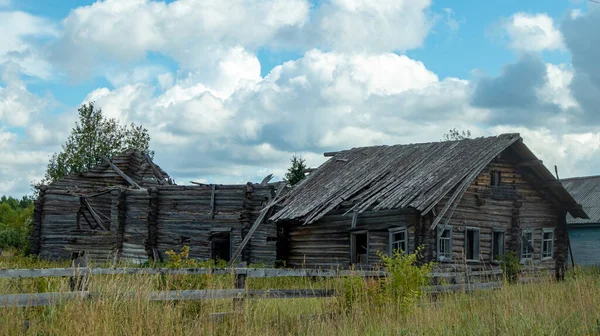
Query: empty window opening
{"type": "Point", "coordinates": [497, 244]}
{"type": "Point", "coordinates": [495, 178]}
{"type": "Point", "coordinates": [360, 248]}
{"type": "Point", "coordinates": [398, 240]}
{"type": "Point", "coordinates": [220, 246]}
{"type": "Point", "coordinates": [527, 245]}
{"type": "Point", "coordinates": [548, 244]}
{"type": "Point", "coordinates": [445, 244]}
{"type": "Point", "coordinates": [472, 244]}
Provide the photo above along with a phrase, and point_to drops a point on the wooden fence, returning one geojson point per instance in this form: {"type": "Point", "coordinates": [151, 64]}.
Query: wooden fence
{"type": "Point", "coordinates": [79, 278]}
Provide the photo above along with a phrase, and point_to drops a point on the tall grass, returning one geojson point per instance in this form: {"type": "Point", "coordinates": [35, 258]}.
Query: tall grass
{"type": "Point", "coordinates": [570, 307]}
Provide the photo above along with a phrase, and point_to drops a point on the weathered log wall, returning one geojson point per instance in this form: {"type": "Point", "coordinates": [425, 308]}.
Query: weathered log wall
{"type": "Point", "coordinates": [134, 225]}
{"type": "Point", "coordinates": [516, 205]}
{"type": "Point", "coordinates": [326, 243]}
{"type": "Point", "coordinates": [141, 222]}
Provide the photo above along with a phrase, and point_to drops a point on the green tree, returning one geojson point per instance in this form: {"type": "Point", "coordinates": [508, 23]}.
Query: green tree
{"type": "Point", "coordinates": [297, 171]}
{"type": "Point", "coordinates": [92, 137]}
{"type": "Point", "coordinates": [455, 134]}
{"type": "Point", "coordinates": [15, 222]}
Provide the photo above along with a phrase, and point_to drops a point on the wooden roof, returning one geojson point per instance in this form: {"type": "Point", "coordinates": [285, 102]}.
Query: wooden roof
{"type": "Point", "coordinates": [414, 176]}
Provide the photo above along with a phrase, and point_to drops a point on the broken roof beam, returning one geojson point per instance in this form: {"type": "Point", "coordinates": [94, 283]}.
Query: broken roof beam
{"type": "Point", "coordinates": [159, 177]}
{"type": "Point", "coordinates": [121, 173]}
{"type": "Point", "coordinates": [330, 154]}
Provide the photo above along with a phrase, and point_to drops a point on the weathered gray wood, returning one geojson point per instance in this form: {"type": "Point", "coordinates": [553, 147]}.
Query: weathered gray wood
{"type": "Point", "coordinates": [258, 221]}
{"type": "Point", "coordinates": [48, 299]}
{"type": "Point", "coordinates": [120, 173]}
{"type": "Point", "coordinates": [212, 200]}
{"type": "Point", "coordinates": [159, 178]}
{"type": "Point", "coordinates": [249, 272]}
{"type": "Point", "coordinates": [95, 216]}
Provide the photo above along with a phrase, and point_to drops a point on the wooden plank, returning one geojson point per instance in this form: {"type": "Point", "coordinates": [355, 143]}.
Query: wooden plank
{"type": "Point", "coordinates": [213, 188]}
{"type": "Point", "coordinates": [121, 173]}
{"type": "Point", "coordinates": [258, 221]}
{"type": "Point", "coordinates": [157, 174]}
{"type": "Point", "coordinates": [48, 299]}
{"type": "Point", "coordinates": [97, 218]}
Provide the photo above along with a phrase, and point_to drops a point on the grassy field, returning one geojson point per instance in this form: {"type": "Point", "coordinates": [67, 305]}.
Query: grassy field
{"type": "Point", "coordinates": [571, 307]}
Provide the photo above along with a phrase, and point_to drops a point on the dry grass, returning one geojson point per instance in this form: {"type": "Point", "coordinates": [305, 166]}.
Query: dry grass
{"type": "Point", "coordinates": [571, 307]}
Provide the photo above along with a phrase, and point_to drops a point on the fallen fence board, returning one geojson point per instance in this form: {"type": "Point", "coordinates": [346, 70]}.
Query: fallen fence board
{"type": "Point", "coordinates": [249, 272]}
{"type": "Point", "coordinates": [49, 299]}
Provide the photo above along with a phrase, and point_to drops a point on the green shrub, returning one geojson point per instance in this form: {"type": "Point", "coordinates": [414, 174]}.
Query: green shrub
{"type": "Point", "coordinates": [404, 285]}
{"type": "Point", "coordinates": [510, 266]}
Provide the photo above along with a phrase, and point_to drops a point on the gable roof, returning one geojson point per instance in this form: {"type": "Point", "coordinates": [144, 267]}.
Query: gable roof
{"type": "Point", "coordinates": [131, 162]}
{"type": "Point", "coordinates": [586, 190]}
{"type": "Point", "coordinates": [414, 176]}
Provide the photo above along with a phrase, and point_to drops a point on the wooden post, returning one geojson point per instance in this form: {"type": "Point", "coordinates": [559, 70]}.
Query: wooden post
{"type": "Point", "coordinates": [78, 282]}
{"type": "Point", "coordinates": [152, 225]}
{"type": "Point", "coordinates": [240, 283]}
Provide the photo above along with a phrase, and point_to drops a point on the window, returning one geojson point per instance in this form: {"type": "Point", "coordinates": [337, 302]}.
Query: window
{"type": "Point", "coordinates": [526, 245]}
{"type": "Point", "coordinates": [547, 243]}
{"type": "Point", "coordinates": [472, 244]}
{"type": "Point", "coordinates": [359, 248]}
{"type": "Point", "coordinates": [497, 244]}
{"type": "Point", "coordinates": [220, 246]}
{"type": "Point", "coordinates": [444, 246]}
{"type": "Point", "coordinates": [495, 178]}
{"type": "Point", "coordinates": [398, 240]}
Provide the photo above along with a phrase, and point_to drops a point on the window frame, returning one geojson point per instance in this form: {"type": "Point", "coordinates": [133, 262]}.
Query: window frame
{"type": "Point", "coordinates": [542, 252]}
{"type": "Point", "coordinates": [495, 178]}
{"type": "Point", "coordinates": [477, 244]}
{"type": "Point", "coordinates": [532, 242]}
{"type": "Point", "coordinates": [493, 256]}
{"type": "Point", "coordinates": [439, 234]}
{"type": "Point", "coordinates": [353, 247]}
{"type": "Point", "coordinates": [392, 232]}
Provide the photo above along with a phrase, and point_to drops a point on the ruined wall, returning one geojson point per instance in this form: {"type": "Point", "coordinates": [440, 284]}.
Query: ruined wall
{"type": "Point", "coordinates": [143, 223]}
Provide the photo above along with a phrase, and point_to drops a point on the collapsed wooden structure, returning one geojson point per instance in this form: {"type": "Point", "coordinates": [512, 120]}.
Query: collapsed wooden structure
{"type": "Point", "coordinates": [466, 202]}
{"type": "Point", "coordinates": [129, 209]}
{"type": "Point", "coordinates": [584, 234]}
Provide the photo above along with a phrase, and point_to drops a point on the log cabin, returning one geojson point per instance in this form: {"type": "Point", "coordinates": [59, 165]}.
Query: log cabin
{"type": "Point", "coordinates": [129, 209]}
{"type": "Point", "coordinates": [466, 202]}
{"type": "Point", "coordinates": [584, 234]}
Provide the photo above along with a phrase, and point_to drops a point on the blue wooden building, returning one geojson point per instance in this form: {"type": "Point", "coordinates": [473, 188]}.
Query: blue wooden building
{"type": "Point", "coordinates": [585, 233]}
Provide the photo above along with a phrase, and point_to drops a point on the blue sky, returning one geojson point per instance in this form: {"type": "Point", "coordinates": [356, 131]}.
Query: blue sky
{"type": "Point", "coordinates": [231, 90]}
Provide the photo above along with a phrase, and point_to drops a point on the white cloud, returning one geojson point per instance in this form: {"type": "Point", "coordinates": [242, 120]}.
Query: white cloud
{"type": "Point", "coordinates": [16, 103]}
{"type": "Point", "coordinates": [15, 46]}
{"type": "Point", "coordinates": [533, 32]}
{"type": "Point", "coordinates": [556, 90]}
{"type": "Point", "coordinates": [376, 26]}
{"type": "Point", "coordinates": [193, 32]}
{"type": "Point", "coordinates": [199, 33]}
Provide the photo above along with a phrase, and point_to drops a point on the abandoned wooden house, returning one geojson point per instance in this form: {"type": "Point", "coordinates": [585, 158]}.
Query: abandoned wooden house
{"type": "Point", "coordinates": [129, 209]}
{"type": "Point", "coordinates": [466, 202]}
{"type": "Point", "coordinates": [584, 234]}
